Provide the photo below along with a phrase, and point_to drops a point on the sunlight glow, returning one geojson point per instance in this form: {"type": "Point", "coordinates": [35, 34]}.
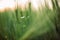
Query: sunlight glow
{"type": "Point", "coordinates": [35, 4]}
{"type": "Point", "coordinates": [24, 3]}
{"type": "Point", "coordinates": [7, 4]}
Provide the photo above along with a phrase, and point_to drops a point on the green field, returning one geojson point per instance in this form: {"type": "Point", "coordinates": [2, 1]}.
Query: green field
{"type": "Point", "coordinates": [28, 24]}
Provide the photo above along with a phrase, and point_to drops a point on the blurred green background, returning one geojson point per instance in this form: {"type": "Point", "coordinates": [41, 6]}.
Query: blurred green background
{"type": "Point", "coordinates": [31, 24]}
